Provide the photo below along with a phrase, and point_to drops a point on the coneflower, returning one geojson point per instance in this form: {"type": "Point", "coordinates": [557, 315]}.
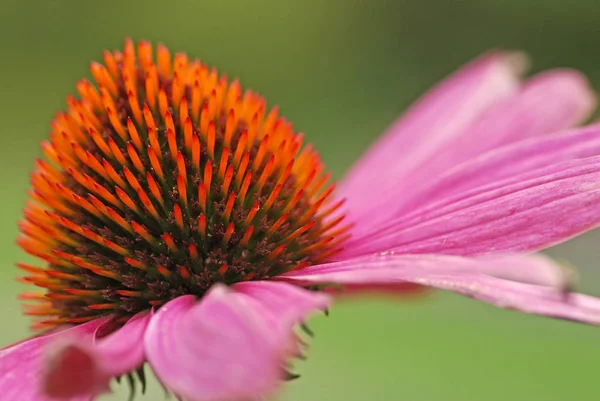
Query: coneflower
{"type": "Point", "coordinates": [162, 181]}
{"type": "Point", "coordinates": [181, 222]}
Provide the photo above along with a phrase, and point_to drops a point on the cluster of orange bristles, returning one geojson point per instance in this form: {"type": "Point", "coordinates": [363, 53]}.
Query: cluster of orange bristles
{"type": "Point", "coordinates": [162, 180]}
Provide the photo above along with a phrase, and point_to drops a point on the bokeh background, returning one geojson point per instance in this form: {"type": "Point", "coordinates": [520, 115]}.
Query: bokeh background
{"type": "Point", "coordinates": [342, 70]}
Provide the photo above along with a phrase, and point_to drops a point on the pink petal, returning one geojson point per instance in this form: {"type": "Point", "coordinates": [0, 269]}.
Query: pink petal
{"type": "Point", "coordinates": [549, 102]}
{"type": "Point", "coordinates": [287, 306]}
{"type": "Point", "coordinates": [539, 270]}
{"type": "Point", "coordinates": [495, 167]}
{"type": "Point", "coordinates": [467, 276]}
{"type": "Point", "coordinates": [532, 212]}
{"type": "Point", "coordinates": [114, 355]}
{"type": "Point", "coordinates": [552, 101]}
{"type": "Point", "coordinates": [123, 351]}
{"type": "Point", "coordinates": [498, 168]}
{"type": "Point", "coordinates": [288, 303]}
{"type": "Point", "coordinates": [439, 116]}
{"type": "Point", "coordinates": [72, 375]}
{"type": "Point", "coordinates": [23, 365]}
{"type": "Point", "coordinates": [219, 348]}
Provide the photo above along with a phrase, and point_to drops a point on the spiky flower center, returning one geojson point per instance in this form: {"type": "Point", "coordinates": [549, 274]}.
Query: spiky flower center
{"type": "Point", "coordinates": [161, 181]}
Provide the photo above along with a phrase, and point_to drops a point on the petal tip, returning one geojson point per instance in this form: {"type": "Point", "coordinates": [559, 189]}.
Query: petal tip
{"type": "Point", "coordinates": [517, 61]}
{"type": "Point", "coordinates": [512, 61]}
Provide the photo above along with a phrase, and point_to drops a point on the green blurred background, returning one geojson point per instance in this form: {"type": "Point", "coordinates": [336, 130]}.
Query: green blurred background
{"type": "Point", "coordinates": [342, 70]}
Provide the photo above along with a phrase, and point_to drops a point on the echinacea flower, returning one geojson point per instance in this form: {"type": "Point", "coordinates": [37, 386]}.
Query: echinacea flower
{"type": "Point", "coordinates": [183, 224]}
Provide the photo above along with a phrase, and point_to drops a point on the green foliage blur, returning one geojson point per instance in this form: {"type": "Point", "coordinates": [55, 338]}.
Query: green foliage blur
{"type": "Point", "coordinates": [341, 70]}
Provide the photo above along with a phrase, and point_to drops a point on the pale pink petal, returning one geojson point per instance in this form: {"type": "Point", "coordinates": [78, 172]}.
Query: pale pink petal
{"type": "Point", "coordinates": [23, 365]}
{"type": "Point", "coordinates": [436, 119]}
{"type": "Point", "coordinates": [467, 276]}
{"type": "Point", "coordinates": [549, 102]}
{"type": "Point", "coordinates": [219, 348]}
{"type": "Point", "coordinates": [105, 358]}
{"type": "Point", "coordinates": [526, 214]}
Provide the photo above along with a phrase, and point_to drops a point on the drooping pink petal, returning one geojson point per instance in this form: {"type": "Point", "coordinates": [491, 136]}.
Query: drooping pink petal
{"type": "Point", "coordinates": [467, 276]}
{"type": "Point", "coordinates": [219, 348]}
{"type": "Point", "coordinates": [123, 351]}
{"type": "Point", "coordinates": [22, 365]}
{"type": "Point", "coordinates": [439, 116]}
{"type": "Point", "coordinates": [287, 306]}
{"type": "Point", "coordinates": [105, 358]}
{"type": "Point", "coordinates": [288, 303]}
{"type": "Point", "coordinates": [525, 214]}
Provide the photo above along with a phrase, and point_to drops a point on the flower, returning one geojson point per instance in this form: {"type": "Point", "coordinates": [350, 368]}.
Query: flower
{"type": "Point", "coordinates": [182, 224]}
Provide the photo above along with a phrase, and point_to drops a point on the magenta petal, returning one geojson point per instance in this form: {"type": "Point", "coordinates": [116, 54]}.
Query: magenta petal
{"type": "Point", "coordinates": [466, 276]}
{"type": "Point", "coordinates": [552, 101]}
{"type": "Point", "coordinates": [520, 161]}
{"type": "Point", "coordinates": [500, 168]}
{"type": "Point", "coordinates": [528, 213]}
{"type": "Point", "coordinates": [22, 366]}
{"type": "Point", "coordinates": [219, 348]}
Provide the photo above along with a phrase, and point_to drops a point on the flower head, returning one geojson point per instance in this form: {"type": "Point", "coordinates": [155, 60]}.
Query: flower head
{"type": "Point", "coordinates": [182, 224]}
{"type": "Point", "coordinates": [162, 181]}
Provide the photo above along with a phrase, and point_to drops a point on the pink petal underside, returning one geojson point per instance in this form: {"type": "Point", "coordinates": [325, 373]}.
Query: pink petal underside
{"type": "Point", "coordinates": [560, 202]}
{"type": "Point", "coordinates": [467, 276]}
{"type": "Point", "coordinates": [22, 365]}
{"type": "Point", "coordinates": [114, 355]}
{"type": "Point", "coordinates": [552, 101]}
{"type": "Point", "coordinates": [438, 117]}
{"type": "Point", "coordinates": [219, 348]}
